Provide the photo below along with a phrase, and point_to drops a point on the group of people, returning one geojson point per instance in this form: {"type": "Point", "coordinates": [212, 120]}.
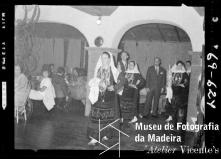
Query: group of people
{"type": "Point", "coordinates": [50, 86]}
{"type": "Point", "coordinates": [114, 92]}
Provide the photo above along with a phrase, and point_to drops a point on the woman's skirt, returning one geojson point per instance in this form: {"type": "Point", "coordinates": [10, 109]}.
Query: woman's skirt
{"type": "Point", "coordinates": [177, 108]}
{"type": "Point", "coordinates": [103, 112]}
{"type": "Point", "coordinates": [128, 103]}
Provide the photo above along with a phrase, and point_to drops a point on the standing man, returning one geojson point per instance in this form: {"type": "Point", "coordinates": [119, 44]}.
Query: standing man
{"type": "Point", "coordinates": [122, 66]}
{"type": "Point", "coordinates": [123, 61]}
{"type": "Point", "coordinates": [188, 67]}
{"type": "Point", "coordinates": [155, 85]}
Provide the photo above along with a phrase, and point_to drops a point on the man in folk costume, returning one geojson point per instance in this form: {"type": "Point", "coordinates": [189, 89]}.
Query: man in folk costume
{"type": "Point", "coordinates": [103, 98]}
{"type": "Point", "coordinates": [155, 86]}
{"type": "Point", "coordinates": [177, 93]}
{"type": "Point", "coordinates": [130, 95]}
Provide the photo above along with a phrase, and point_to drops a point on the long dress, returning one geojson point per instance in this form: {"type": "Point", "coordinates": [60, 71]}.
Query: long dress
{"type": "Point", "coordinates": [105, 109]}
{"type": "Point", "coordinates": [21, 92]}
{"type": "Point", "coordinates": [47, 95]}
{"type": "Point", "coordinates": [178, 106]}
{"type": "Point", "coordinates": [130, 96]}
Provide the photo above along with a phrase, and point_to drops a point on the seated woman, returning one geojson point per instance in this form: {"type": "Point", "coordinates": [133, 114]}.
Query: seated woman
{"type": "Point", "coordinates": [130, 96]}
{"type": "Point", "coordinates": [178, 89]}
{"type": "Point", "coordinates": [21, 89]}
{"type": "Point", "coordinates": [46, 91]}
{"type": "Point", "coordinates": [77, 82]}
{"type": "Point", "coordinates": [61, 89]}
{"type": "Point", "coordinates": [104, 108]}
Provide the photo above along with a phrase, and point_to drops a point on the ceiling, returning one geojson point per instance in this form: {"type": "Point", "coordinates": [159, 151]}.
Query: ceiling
{"type": "Point", "coordinates": [97, 10]}
{"type": "Point", "coordinates": [56, 30]}
{"type": "Point", "coordinates": [156, 32]}
{"type": "Point", "coordinates": [145, 32]}
{"type": "Point", "coordinates": [108, 10]}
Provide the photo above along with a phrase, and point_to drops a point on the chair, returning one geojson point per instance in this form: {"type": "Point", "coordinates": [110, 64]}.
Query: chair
{"type": "Point", "coordinates": [24, 111]}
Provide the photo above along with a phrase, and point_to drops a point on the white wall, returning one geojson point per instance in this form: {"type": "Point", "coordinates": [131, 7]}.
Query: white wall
{"type": "Point", "coordinates": [113, 27]}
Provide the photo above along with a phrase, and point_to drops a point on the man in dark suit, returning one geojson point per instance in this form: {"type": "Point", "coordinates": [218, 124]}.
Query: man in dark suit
{"type": "Point", "coordinates": [123, 61]}
{"type": "Point", "coordinates": [155, 85]}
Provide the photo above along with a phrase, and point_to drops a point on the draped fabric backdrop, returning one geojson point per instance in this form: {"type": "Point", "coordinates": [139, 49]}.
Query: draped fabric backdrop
{"type": "Point", "coordinates": [73, 53]}
{"type": "Point", "coordinates": [144, 52]}
{"type": "Point", "coordinates": [54, 51]}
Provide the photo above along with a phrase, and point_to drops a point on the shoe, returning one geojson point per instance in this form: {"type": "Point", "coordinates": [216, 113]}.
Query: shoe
{"type": "Point", "coordinates": [92, 142]}
{"type": "Point", "coordinates": [133, 120]}
{"type": "Point", "coordinates": [154, 115]}
{"type": "Point", "coordinates": [146, 116]}
{"type": "Point", "coordinates": [141, 116]}
{"type": "Point", "coordinates": [169, 119]}
{"type": "Point", "coordinates": [104, 138]}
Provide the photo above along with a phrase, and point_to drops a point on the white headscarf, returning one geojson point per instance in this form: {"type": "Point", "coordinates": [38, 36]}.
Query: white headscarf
{"type": "Point", "coordinates": [114, 70]}
{"type": "Point", "coordinates": [169, 90]}
{"type": "Point", "coordinates": [174, 69]}
{"type": "Point", "coordinates": [94, 82]}
{"type": "Point", "coordinates": [135, 70]}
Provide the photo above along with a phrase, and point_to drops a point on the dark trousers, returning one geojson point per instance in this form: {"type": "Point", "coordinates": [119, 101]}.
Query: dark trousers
{"type": "Point", "coordinates": [153, 94]}
{"type": "Point", "coordinates": [60, 102]}
{"type": "Point", "coordinates": [136, 100]}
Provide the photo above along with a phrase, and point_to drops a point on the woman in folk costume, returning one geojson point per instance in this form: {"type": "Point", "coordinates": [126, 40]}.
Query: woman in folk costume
{"type": "Point", "coordinates": [130, 95]}
{"type": "Point", "coordinates": [103, 98]}
{"type": "Point", "coordinates": [122, 66]}
{"type": "Point", "coordinates": [177, 93]}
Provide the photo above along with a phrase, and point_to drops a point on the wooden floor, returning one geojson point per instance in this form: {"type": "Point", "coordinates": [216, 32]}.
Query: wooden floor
{"type": "Point", "coordinates": [67, 130]}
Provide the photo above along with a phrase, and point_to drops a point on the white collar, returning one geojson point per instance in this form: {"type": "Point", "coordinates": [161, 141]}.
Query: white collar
{"type": "Point", "coordinates": [135, 70]}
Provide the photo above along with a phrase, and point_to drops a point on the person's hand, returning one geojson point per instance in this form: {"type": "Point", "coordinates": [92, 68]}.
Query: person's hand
{"type": "Point", "coordinates": [147, 90]}
{"type": "Point", "coordinates": [111, 88]}
{"type": "Point", "coordinates": [133, 86]}
{"type": "Point", "coordinates": [102, 85]}
{"type": "Point", "coordinates": [138, 82]}
{"type": "Point", "coordinates": [119, 68]}
{"type": "Point", "coordinates": [181, 85]}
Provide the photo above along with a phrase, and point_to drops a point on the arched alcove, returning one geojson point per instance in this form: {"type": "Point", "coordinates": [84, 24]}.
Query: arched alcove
{"type": "Point", "coordinates": [146, 41]}
{"type": "Point", "coordinates": [60, 44]}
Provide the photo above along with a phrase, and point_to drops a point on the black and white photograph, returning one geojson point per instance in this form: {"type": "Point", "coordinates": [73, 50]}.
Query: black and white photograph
{"type": "Point", "coordinates": [111, 78]}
